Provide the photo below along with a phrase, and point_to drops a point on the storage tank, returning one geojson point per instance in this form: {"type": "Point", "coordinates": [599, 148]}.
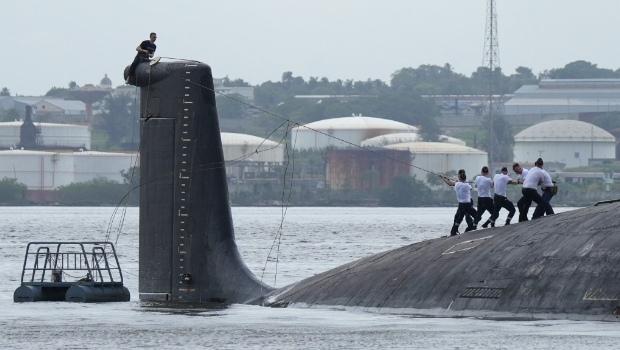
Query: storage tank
{"type": "Point", "coordinates": [9, 134]}
{"type": "Point", "coordinates": [242, 159]}
{"type": "Point", "coordinates": [91, 164]}
{"type": "Point", "coordinates": [67, 135]}
{"type": "Point", "coordinates": [237, 146]}
{"type": "Point", "coordinates": [390, 139]}
{"type": "Point", "coordinates": [441, 158]}
{"type": "Point", "coordinates": [571, 142]}
{"type": "Point", "coordinates": [353, 130]}
{"type": "Point", "coordinates": [52, 134]}
{"type": "Point", "coordinates": [41, 170]}
{"type": "Point", "coordinates": [38, 170]}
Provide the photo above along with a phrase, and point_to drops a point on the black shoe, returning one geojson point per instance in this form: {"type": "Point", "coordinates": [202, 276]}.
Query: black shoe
{"type": "Point", "coordinates": [492, 224]}
{"type": "Point", "coordinates": [507, 222]}
{"type": "Point", "coordinates": [454, 233]}
{"type": "Point", "coordinates": [486, 224]}
{"type": "Point", "coordinates": [471, 228]}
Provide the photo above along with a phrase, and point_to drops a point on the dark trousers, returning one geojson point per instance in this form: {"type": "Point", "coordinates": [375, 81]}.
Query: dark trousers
{"type": "Point", "coordinates": [484, 204]}
{"type": "Point", "coordinates": [467, 211]}
{"type": "Point", "coordinates": [546, 197]}
{"type": "Point", "coordinates": [531, 195]}
{"type": "Point", "coordinates": [524, 206]}
{"type": "Point", "coordinates": [134, 65]}
{"type": "Point", "coordinates": [502, 202]}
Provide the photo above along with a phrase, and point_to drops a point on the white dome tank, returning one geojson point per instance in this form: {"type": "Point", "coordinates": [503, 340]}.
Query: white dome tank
{"type": "Point", "coordinates": [441, 158]}
{"type": "Point", "coordinates": [238, 146]}
{"type": "Point", "coordinates": [571, 142]}
{"type": "Point", "coordinates": [342, 132]}
{"type": "Point", "coordinates": [390, 139]}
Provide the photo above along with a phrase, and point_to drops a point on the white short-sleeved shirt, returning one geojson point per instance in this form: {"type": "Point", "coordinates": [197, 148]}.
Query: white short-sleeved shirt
{"type": "Point", "coordinates": [546, 181]}
{"type": "Point", "coordinates": [500, 182]}
{"type": "Point", "coordinates": [523, 174]}
{"type": "Point", "coordinates": [463, 194]}
{"type": "Point", "coordinates": [534, 176]}
{"type": "Point", "coordinates": [483, 184]}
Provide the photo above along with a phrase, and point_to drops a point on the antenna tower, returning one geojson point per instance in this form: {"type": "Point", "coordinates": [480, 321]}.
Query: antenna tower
{"type": "Point", "coordinates": [490, 60]}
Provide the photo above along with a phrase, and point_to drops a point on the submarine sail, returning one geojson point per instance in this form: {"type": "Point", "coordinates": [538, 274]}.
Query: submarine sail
{"type": "Point", "coordinates": [187, 247]}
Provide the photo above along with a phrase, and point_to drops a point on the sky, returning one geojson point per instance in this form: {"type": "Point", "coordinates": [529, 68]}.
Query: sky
{"type": "Point", "coordinates": [50, 43]}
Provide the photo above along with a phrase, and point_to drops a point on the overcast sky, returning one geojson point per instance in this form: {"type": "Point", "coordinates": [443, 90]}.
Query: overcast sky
{"type": "Point", "coordinates": [50, 43]}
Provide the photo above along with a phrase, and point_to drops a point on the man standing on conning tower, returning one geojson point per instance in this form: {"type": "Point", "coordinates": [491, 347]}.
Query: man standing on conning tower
{"type": "Point", "coordinates": [146, 49]}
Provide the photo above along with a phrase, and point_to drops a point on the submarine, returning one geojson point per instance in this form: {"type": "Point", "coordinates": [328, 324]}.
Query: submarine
{"type": "Point", "coordinates": [563, 266]}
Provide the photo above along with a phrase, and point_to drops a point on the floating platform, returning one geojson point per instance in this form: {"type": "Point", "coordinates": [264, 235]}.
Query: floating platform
{"type": "Point", "coordinates": [71, 271]}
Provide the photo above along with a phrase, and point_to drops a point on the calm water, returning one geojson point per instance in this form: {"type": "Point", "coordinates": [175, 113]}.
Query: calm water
{"type": "Point", "coordinates": [312, 241]}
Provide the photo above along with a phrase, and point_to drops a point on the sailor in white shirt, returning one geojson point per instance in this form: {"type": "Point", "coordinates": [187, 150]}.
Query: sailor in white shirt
{"type": "Point", "coordinates": [485, 202]}
{"type": "Point", "coordinates": [546, 186]}
{"type": "Point", "coordinates": [521, 174]}
{"type": "Point", "coordinates": [500, 183]}
{"type": "Point", "coordinates": [529, 190]}
{"type": "Point", "coordinates": [463, 195]}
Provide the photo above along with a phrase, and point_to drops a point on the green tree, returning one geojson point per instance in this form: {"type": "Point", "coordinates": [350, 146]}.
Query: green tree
{"type": "Point", "coordinates": [608, 121]}
{"type": "Point", "coordinates": [582, 70]}
{"type": "Point", "coordinates": [524, 76]}
{"type": "Point", "coordinates": [229, 107]}
{"type": "Point", "coordinates": [525, 72]}
{"type": "Point", "coordinates": [5, 92]}
{"type": "Point", "coordinates": [405, 191]}
{"type": "Point", "coordinates": [235, 83]}
{"type": "Point", "coordinates": [119, 120]}
{"type": "Point", "coordinates": [11, 191]}
{"type": "Point", "coordinates": [58, 92]}
{"type": "Point", "coordinates": [370, 177]}
{"type": "Point", "coordinates": [11, 115]}
{"type": "Point", "coordinates": [435, 180]}
{"type": "Point", "coordinates": [429, 79]}
{"type": "Point", "coordinates": [500, 142]}
{"type": "Point", "coordinates": [99, 191]}
{"type": "Point", "coordinates": [131, 179]}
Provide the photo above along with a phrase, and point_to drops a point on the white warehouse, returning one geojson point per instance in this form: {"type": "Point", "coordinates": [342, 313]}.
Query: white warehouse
{"type": "Point", "coordinates": [441, 158]}
{"type": "Point", "coordinates": [40, 170]}
{"type": "Point", "coordinates": [570, 142]}
{"type": "Point", "coordinates": [353, 130]}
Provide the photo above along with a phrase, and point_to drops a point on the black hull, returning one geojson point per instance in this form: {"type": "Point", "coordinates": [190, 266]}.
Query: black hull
{"type": "Point", "coordinates": [562, 266]}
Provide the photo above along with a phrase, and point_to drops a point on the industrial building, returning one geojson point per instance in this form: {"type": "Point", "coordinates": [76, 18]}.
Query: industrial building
{"type": "Point", "coordinates": [441, 158]}
{"type": "Point", "coordinates": [360, 169]}
{"type": "Point", "coordinates": [248, 156]}
{"type": "Point", "coordinates": [51, 135]}
{"type": "Point", "coordinates": [246, 91]}
{"type": "Point", "coordinates": [390, 139]}
{"type": "Point", "coordinates": [565, 96]}
{"type": "Point", "coordinates": [43, 170]}
{"type": "Point", "coordinates": [47, 108]}
{"type": "Point", "coordinates": [571, 142]}
{"type": "Point", "coordinates": [344, 132]}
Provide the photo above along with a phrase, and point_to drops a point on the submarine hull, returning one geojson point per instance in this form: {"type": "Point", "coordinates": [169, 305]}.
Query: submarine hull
{"type": "Point", "coordinates": [561, 266]}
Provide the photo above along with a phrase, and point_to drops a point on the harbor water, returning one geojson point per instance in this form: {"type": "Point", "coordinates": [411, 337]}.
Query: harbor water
{"type": "Point", "coordinates": [281, 246]}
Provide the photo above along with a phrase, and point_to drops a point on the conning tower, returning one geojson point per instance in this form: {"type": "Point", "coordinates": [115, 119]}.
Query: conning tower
{"type": "Point", "coordinates": [187, 244]}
